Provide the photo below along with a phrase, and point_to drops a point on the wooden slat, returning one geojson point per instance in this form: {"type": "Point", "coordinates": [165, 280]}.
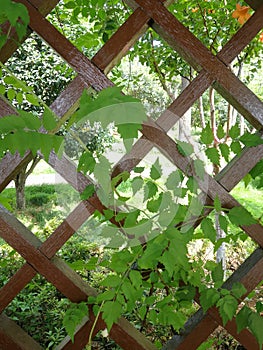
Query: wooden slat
{"type": "Point", "coordinates": [12, 337]}
{"type": "Point", "coordinates": [45, 7]}
{"type": "Point", "coordinates": [239, 166]}
{"type": "Point", "coordinates": [79, 181]}
{"type": "Point", "coordinates": [191, 93]}
{"type": "Point", "coordinates": [195, 53]}
{"type": "Point", "coordinates": [91, 74]}
{"type": "Point", "coordinates": [209, 185]}
{"type": "Point", "coordinates": [250, 274]}
{"type": "Point", "coordinates": [60, 275]}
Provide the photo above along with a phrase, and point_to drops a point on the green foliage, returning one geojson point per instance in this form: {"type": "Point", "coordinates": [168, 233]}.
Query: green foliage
{"type": "Point", "coordinates": [20, 133]}
{"type": "Point", "coordinates": [17, 16]}
{"type": "Point", "coordinates": [240, 216]}
{"type": "Point", "coordinates": [149, 273]}
{"type": "Point", "coordinates": [73, 317]}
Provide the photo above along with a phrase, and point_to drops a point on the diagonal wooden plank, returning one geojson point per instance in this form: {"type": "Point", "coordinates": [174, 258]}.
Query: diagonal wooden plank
{"type": "Point", "coordinates": [12, 337]}
{"type": "Point", "coordinates": [44, 7]}
{"type": "Point", "coordinates": [67, 101]}
{"type": "Point", "coordinates": [90, 73]}
{"type": "Point", "coordinates": [201, 325]}
{"type": "Point", "coordinates": [195, 53]}
{"type": "Point", "coordinates": [61, 276]}
{"type": "Point", "coordinates": [193, 91]}
{"type": "Point", "coordinates": [209, 185]}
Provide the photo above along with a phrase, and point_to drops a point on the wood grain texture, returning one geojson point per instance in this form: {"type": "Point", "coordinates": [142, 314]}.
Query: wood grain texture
{"type": "Point", "coordinates": [195, 53]}
{"type": "Point", "coordinates": [200, 325]}
{"type": "Point", "coordinates": [12, 337]}
{"type": "Point", "coordinates": [45, 7]}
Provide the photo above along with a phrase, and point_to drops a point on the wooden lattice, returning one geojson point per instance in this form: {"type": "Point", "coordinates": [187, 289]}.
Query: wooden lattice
{"type": "Point", "coordinates": [41, 257]}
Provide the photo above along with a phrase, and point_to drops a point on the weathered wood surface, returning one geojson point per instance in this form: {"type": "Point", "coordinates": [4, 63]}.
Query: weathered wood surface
{"type": "Point", "coordinates": [213, 71]}
{"type": "Point", "coordinates": [12, 337]}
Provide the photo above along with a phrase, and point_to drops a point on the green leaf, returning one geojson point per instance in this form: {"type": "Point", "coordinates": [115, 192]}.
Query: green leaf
{"type": "Point", "coordinates": [21, 141]}
{"type": "Point", "coordinates": [86, 162]}
{"type": "Point", "coordinates": [136, 278]}
{"type": "Point", "coordinates": [208, 228]}
{"type": "Point", "coordinates": [213, 155]}
{"type": "Point", "coordinates": [236, 147]}
{"type": "Point", "coordinates": [239, 216]}
{"type": "Point", "coordinates": [11, 94]}
{"type": "Point", "coordinates": [108, 295]}
{"type": "Point", "coordinates": [234, 131]}
{"type": "Point", "coordinates": [173, 180]}
{"type": "Point", "coordinates": [136, 184]}
{"type": "Point", "coordinates": [73, 317]}
{"type": "Point", "coordinates": [129, 130]}
{"type": "Point", "coordinates": [192, 184]}
{"type": "Point", "coordinates": [225, 151]}
{"type": "Point", "coordinates": [251, 140]}
{"type": "Point", "coordinates": [220, 132]}
{"type": "Point", "coordinates": [150, 256]}
{"type": "Point", "coordinates": [227, 308]}
{"type": "Point", "coordinates": [209, 298]}
{"type": "Point", "coordinates": [154, 204]}
{"type": "Point", "coordinates": [49, 120]}
{"type": "Point", "coordinates": [223, 223]}
{"type": "Point", "coordinates": [207, 136]}
{"type": "Point", "coordinates": [255, 324]}
{"type": "Point", "coordinates": [167, 215]}
{"type": "Point", "coordinates": [111, 106]}
{"type": "Point", "coordinates": [138, 169]}
{"type": "Point", "coordinates": [5, 201]}
{"type": "Point", "coordinates": [217, 204]}
{"type": "Point", "coordinates": [32, 99]}
{"type": "Point", "coordinates": [242, 318]}
{"type": "Point", "coordinates": [238, 290]}
{"type": "Point", "coordinates": [156, 170]}
{"type": "Point", "coordinates": [257, 170]}
{"type": "Point", "coordinates": [111, 312]}
{"type": "Point", "coordinates": [111, 281]}
{"type": "Point", "coordinates": [199, 167]}
{"type": "Point", "coordinates": [218, 275]}
{"type": "Point", "coordinates": [142, 228]}
{"type": "Point", "coordinates": [102, 172]}
{"type": "Point", "coordinates": [259, 306]}
{"type": "Point", "coordinates": [88, 192]}
{"type": "Point", "coordinates": [19, 97]}
{"type": "Point", "coordinates": [150, 190]}
{"type": "Point", "coordinates": [186, 149]}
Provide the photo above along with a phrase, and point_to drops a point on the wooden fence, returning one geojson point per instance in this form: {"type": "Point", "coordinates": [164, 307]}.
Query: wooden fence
{"type": "Point", "coordinates": [213, 70]}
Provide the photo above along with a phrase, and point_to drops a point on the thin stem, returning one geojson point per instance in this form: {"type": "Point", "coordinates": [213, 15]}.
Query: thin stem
{"type": "Point", "coordinates": [93, 327]}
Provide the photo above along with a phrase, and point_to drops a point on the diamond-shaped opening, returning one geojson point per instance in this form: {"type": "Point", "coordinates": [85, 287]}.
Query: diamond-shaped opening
{"type": "Point", "coordinates": [133, 76]}
{"type": "Point", "coordinates": [39, 309]}
{"type": "Point", "coordinates": [155, 66]}
{"type": "Point", "coordinates": [83, 252]}
{"type": "Point", "coordinates": [47, 204]}
{"type": "Point", "coordinates": [211, 22]}
{"type": "Point", "coordinates": [252, 73]}
{"type": "Point", "coordinates": [10, 262]}
{"type": "Point", "coordinates": [221, 339]}
{"type": "Point", "coordinates": [90, 25]}
{"type": "Point", "coordinates": [47, 75]}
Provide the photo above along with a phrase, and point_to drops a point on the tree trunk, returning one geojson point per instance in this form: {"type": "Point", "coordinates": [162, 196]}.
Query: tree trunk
{"type": "Point", "coordinates": [184, 131]}
{"type": "Point", "coordinates": [20, 182]}
{"type": "Point", "coordinates": [201, 111]}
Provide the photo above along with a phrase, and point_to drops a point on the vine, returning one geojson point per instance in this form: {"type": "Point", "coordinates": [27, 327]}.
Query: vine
{"type": "Point", "coordinates": [152, 272]}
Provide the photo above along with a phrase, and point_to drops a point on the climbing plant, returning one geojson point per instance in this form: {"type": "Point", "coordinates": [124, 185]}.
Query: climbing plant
{"type": "Point", "coordinates": [152, 271]}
